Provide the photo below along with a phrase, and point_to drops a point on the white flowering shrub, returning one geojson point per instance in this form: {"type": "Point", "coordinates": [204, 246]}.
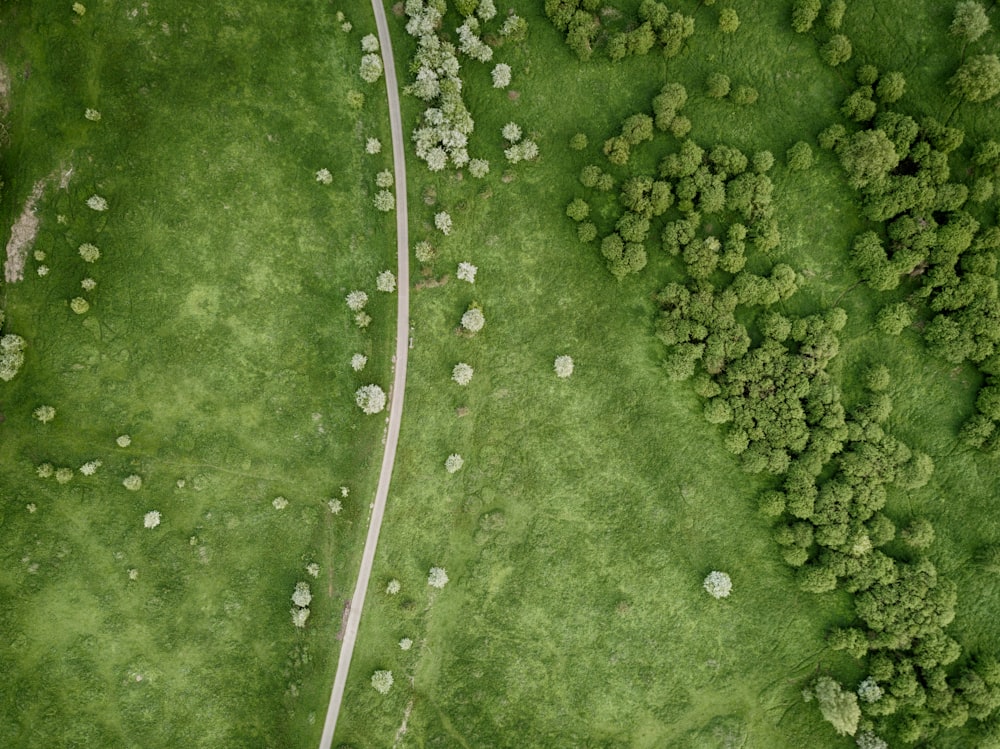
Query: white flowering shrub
{"type": "Point", "coordinates": [362, 319]}
{"type": "Point", "coordinates": [312, 569]}
{"type": "Point", "coordinates": [324, 177]}
{"type": "Point", "coordinates": [133, 483]}
{"type": "Point", "coordinates": [511, 132]}
{"type": "Point", "coordinates": [564, 366]}
{"type": "Point", "coordinates": [44, 414]}
{"type": "Point", "coordinates": [369, 43]}
{"type": "Point", "coordinates": [90, 467]}
{"type": "Point", "coordinates": [299, 616]}
{"type": "Point", "coordinates": [64, 475]}
{"type": "Point", "coordinates": [79, 305]}
{"type": "Point", "coordinates": [92, 114]}
{"type": "Point", "coordinates": [405, 644]}
{"type": "Point", "coordinates": [386, 282]}
{"type": "Point", "coordinates": [344, 492]}
{"type": "Point", "coordinates": [88, 284]}
{"type": "Point", "coordinates": [466, 272]}
{"type": "Point", "coordinates": [45, 471]}
{"type": "Point", "coordinates": [870, 740]}
{"type": "Point", "coordinates": [371, 68]}
{"type": "Point", "coordinates": [11, 356]}
{"type": "Point", "coordinates": [473, 320]}
{"type": "Point", "coordinates": [462, 373]}
{"type": "Point", "coordinates": [514, 27]}
{"type": "Point", "coordinates": [718, 584]}
{"type": "Point", "coordinates": [479, 168]}
{"type": "Point", "coordinates": [346, 27]}
{"type": "Point", "coordinates": [384, 201]}
{"type": "Point", "coordinates": [302, 595]}
{"type": "Point", "coordinates": [97, 203]}
{"type": "Point", "coordinates": [454, 463]}
{"type": "Point", "coordinates": [469, 42]}
{"type": "Point", "coordinates": [437, 577]}
{"type": "Point", "coordinates": [358, 362]}
{"type": "Point", "coordinates": [526, 150]}
{"type": "Point", "coordinates": [501, 75]}
{"type": "Point", "coordinates": [123, 440]}
{"type": "Point", "coordinates": [382, 681]}
{"type": "Point", "coordinates": [437, 159]}
{"type": "Point", "coordinates": [43, 270]}
{"type": "Point", "coordinates": [373, 146]}
{"type": "Point", "coordinates": [869, 690]}
{"type": "Point", "coordinates": [486, 11]}
{"type": "Point", "coordinates": [370, 398]}
{"type": "Point", "coordinates": [424, 251]}
{"type": "Point", "coordinates": [393, 587]}
{"type": "Point", "coordinates": [335, 506]}
{"type": "Point", "coordinates": [279, 503]}
{"type": "Point", "coordinates": [356, 300]}
{"type": "Point", "coordinates": [384, 179]}
{"type": "Point", "coordinates": [442, 221]}
{"type": "Point", "coordinates": [151, 519]}
{"type": "Point", "coordinates": [89, 252]}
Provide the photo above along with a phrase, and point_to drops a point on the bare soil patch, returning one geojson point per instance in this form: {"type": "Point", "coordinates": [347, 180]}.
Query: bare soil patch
{"type": "Point", "coordinates": [343, 621]}
{"type": "Point", "coordinates": [4, 89]}
{"type": "Point", "coordinates": [22, 235]}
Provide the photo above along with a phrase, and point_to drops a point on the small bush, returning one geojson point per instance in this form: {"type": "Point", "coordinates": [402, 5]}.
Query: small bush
{"type": "Point", "coordinates": [799, 157]}
{"type": "Point", "coordinates": [729, 21]}
{"type": "Point", "coordinates": [563, 366]}
{"type": "Point", "coordinates": [462, 373]}
{"type": "Point", "coordinates": [718, 85]}
{"type": "Point", "coordinates": [453, 463]}
{"type": "Point", "coordinates": [382, 681]}
{"type": "Point", "coordinates": [718, 584]}
{"type": "Point", "coordinates": [371, 399]}
{"type": "Point", "coordinates": [437, 577]}
{"type": "Point", "coordinates": [579, 142]}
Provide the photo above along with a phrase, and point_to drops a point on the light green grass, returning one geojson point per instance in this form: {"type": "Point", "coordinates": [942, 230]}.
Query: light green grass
{"type": "Point", "coordinates": [581, 620]}
{"type": "Point", "coordinates": [219, 340]}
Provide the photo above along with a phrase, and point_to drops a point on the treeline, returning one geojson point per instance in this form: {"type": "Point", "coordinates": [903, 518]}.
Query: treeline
{"type": "Point", "coordinates": [657, 27]}
{"type": "Point", "coordinates": [783, 414]}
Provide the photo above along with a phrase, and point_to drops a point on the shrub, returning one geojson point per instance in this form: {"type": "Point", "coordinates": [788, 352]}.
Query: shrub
{"type": "Point", "coordinates": [453, 463]}
{"type": "Point", "coordinates": [501, 75]}
{"type": "Point", "coordinates": [336, 506]}
{"type": "Point", "coordinates": [302, 595]}
{"type": "Point", "coordinates": [745, 95]}
{"type": "Point", "coordinates": [836, 51]}
{"type": "Point", "coordinates": [834, 16]}
{"type": "Point", "coordinates": [299, 616]}
{"type": "Point", "coordinates": [44, 414]}
{"type": "Point", "coordinates": [466, 272]}
{"type": "Point", "coordinates": [384, 179]}
{"type": "Point", "coordinates": [424, 251]}
{"type": "Point", "coordinates": [473, 320]}
{"type": "Point", "coordinates": [97, 203]}
{"type": "Point", "coordinates": [729, 21]}
{"type": "Point", "coordinates": [919, 534]}
{"type": "Point", "coordinates": [382, 681]}
{"type": "Point", "coordinates": [894, 318]}
{"type": "Point", "coordinates": [511, 132]}
{"type": "Point", "coordinates": [279, 503]}
{"type": "Point", "coordinates": [373, 146]}
{"type": "Point", "coordinates": [514, 28]}
{"type": "Point", "coordinates": [371, 68]}
{"type": "Point", "coordinates": [718, 584]}
{"type": "Point", "coordinates": [133, 483]}
{"type": "Point", "coordinates": [437, 577]}
{"type": "Point", "coordinates": [405, 644]}
{"type": "Point", "coordinates": [442, 221]}
{"type": "Point", "coordinates": [45, 471]}
{"type": "Point", "coordinates": [563, 366]}
{"type": "Point", "coordinates": [384, 201]}
{"type": "Point", "coordinates": [978, 80]}
{"type": "Point", "coordinates": [79, 305]}
{"type": "Point", "coordinates": [123, 440]}
{"type": "Point", "coordinates": [462, 373]}
{"type": "Point", "coordinates": [891, 87]}
{"type": "Point", "coordinates": [312, 569]}
{"type": "Point", "coordinates": [838, 706]}
{"type": "Point", "coordinates": [64, 475]}
{"type": "Point", "coordinates": [358, 362]}
{"type": "Point", "coordinates": [90, 467]}
{"type": "Point", "coordinates": [877, 378]}
{"type": "Point", "coordinates": [356, 300]}
{"type": "Point", "coordinates": [799, 156]}
{"type": "Point", "coordinates": [578, 142]}
{"type": "Point", "coordinates": [370, 398]}
{"type": "Point", "coordinates": [717, 85]}
{"type": "Point", "coordinates": [386, 282]}
{"type": "Point", "coordinates": [392, 587]}
{"type": "Point", "coordinates": [362, 319]}
{"type": "Point", "coordinates": [804, 14]}
{"type": "Point", "coordinates": [151, 519]}
{"type": "Point", "coordinates": [89, 252]}
{"type": "Point", "coordinates": [369, 43]}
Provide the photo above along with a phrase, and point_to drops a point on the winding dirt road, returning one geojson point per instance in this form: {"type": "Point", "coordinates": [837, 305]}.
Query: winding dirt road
{"type": "Point", "coordinates": [398, 383]}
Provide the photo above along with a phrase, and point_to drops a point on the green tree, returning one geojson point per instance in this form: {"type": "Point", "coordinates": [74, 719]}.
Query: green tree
{"type": "Point", "coordinates": [799, 156]}
{"type": "Point", "coordinates": [970, 21]}
{"type": "Point", "coordinates": [977, 80]}
{"type": "Point", "coordinates": [729, 21]}
{"type": "Point", "coordinates": [836, 51]}
{"type": "Point", "coordinates": [804, 14]}
{"type": "Point", "coordinates": [718, 85]}
{"type": "Point", "coordinates": [838, 706]}
{"type": "Point", "coordinates": [867, 156]}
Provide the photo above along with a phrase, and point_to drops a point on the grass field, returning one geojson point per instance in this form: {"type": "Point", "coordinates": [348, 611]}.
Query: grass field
{"type": "Point", "coordinates": [218, 339]}
{"type": "Point", "coordinates": [588, 511]}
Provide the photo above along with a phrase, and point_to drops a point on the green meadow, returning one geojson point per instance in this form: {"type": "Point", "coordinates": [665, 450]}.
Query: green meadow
{"type": "Point", "coordinates": [588, 511]}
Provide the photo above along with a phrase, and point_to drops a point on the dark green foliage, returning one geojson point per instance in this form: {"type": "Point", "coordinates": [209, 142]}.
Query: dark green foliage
{"type": "Point", "coordinates": [717, 86]}
{"type": "Point", "coordinates": [804, 14]}
{"type": "Point", "coordinates": [799, 157]}
{"type": "Point", "coordinates": [977, 80]}
{"type": "Point", "coordinates": [684, 162]}
{"type": "Point", "coordinates": [836, 51]}
{"type": "Point", "coordinates": [849, 639]}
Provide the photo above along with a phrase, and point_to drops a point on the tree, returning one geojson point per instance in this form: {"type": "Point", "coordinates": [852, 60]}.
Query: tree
{"type": "Point", "coordinates": [894, 318]}
{"type": "Point", "coordinates": [891, 87]}
{"type": "Point", "coordinates": [386, 282]}
{"type": "Point", "coordinates": [473, 320]}
{"type": "Point", "coordinates": [978, 80]}
{"type": "Point", "coordinates": [302, 595]}
{"type": "Point", "coordinates": [442, 221]}
{"type": "Point", "coordinates": [804, 14]}
{"type": "Point", "coordinates": [11, 355]}
{"type": "Point", "coordinates": [466, 272]}
{"type": "Point", "coordinates": [718, 584]}
{"type": "Point", "coordinates": [152, 519]}
{"type": "Point", "coordinates": [133, 482]}
{"type": "Point", "coordinates": [501, 75]}
{"type": "Point", "coordinates": [511, 132]}
{"type": "Point", "coordinates": [970, 21]}
{"type": "Point", "coordinates": [44, 414]}
{"type": "Point", "coordinates": [838, 706]}
{"type": "Point", "coordinates": [371, 68]}
{"type": "Point", "coordinates": [437, 577]}
{"type": "Point", "coordinates": [578, 142]}
{"type": "Point", "coordinates": [867, 156]}
{"type": "Point", "coordinates": [729, 21]}
{"type": "Point", "coordinates": [382, 681]}
{"type": "Point", "coordinates": [836, 51]}
{"type": "Point", "coordinates": [578, 209]}
{"type": "Point", "coordinates": [370, 398]}
{"type": "Point", "coordinates": [745, 95]}
{"type": "Point", "coordinates": [834, 16]}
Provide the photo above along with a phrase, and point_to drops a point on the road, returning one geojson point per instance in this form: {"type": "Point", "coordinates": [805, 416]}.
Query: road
{"type": "Point", "coordinates": [398, 383]}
